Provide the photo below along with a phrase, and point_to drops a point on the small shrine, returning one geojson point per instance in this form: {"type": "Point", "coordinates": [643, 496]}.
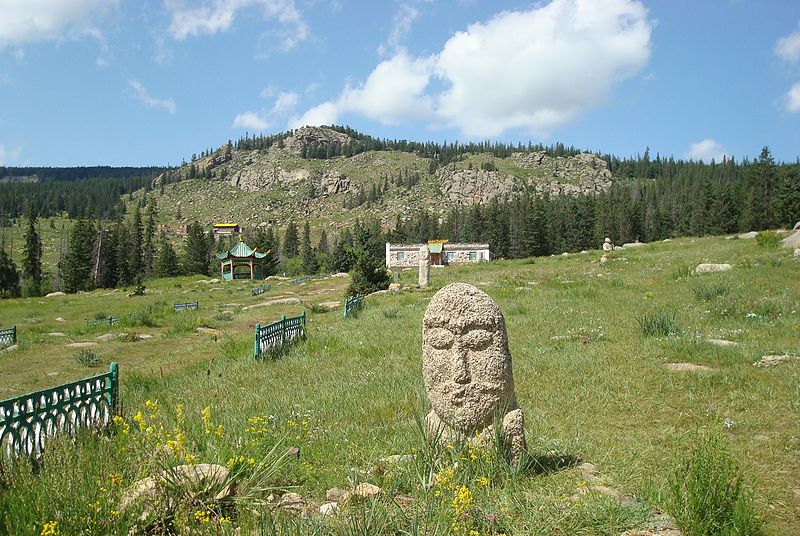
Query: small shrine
{"type": "Point", "coordinates": [241, 262]}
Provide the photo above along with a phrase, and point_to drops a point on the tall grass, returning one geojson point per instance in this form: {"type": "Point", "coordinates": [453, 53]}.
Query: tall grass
{"type": "Point", "coordinates": [707, 492]}
{"type": "Point", "coordinates": [710, 292]}
{"type": "Point", "coordinates": [658, 324]}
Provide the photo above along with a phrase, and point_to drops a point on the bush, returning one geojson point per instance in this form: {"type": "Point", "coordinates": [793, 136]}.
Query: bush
{"type": "Point", "coordinates": [223, 317]}
{"type": "Point", "coordinates": [144, 316]}
{"type": "Point", "coordinates": [318, 309]}
{"type": "Point", "coordinates": [768, 239]}
{"type": "Point", "coordinates": [391, 313]}
{"type": "Point", "coordinates": [88, 359]}
{"type": "Point", "coordinates": [707, 495]}
{"type": "Point", "coordinates": [709, 292]}
{"type": "Point", "coordinates": [658, 325]}
{"type": "Point", "coordinates": [682, 272]}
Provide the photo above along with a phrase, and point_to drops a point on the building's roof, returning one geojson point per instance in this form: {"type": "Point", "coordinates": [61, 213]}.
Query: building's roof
{"type": "Point", "coordinates": [226, 225]}
{"type": "Point", "coordinates": [435, 248]}
{"type": "Point", "coordinates": [241, 251]}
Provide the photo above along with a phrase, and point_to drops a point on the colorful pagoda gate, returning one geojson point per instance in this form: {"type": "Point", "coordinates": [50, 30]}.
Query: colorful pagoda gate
{"type": "Point", "coordinates": [241, 262]}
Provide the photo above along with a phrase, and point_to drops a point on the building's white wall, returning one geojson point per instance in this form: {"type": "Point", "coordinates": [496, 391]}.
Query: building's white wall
{"type": "Point", "coordinates": [410, 254]}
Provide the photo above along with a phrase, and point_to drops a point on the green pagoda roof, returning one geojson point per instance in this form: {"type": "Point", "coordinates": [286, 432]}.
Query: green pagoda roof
{"type": "Point", "coordinates": [241, 251]}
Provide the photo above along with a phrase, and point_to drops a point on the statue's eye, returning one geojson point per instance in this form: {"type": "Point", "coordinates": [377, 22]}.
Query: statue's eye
{"type": "Point", "coordinates": [440, 338]}
{"type": "Point", "coordinates": [477, 339]}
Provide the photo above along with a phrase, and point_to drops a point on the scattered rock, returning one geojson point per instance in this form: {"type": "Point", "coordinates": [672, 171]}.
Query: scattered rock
{"type": "Point", "coordinates": [772, 360]}
{"type": "Point", "coordinates": [210, 331]}
{"type": "Point", "coordinates": [293, 452]}
{"type": "Point", "coordinates": [404, 501]}
{"type": "Point", "coordinates": [797, 252]}
{"type": "Point", "coordinates": [688, 367]}
{"type": "Point", "coordinates": [706, 268]}
{"type": "Point", "coordinates": [632, 245]}
{"type": "Point", "coordinates": [796, 227]}
{"type": "Point", "coordinates": [341, 274]}
{"type": "Point", "coordinates": [142, 336]}
{"type": "Point", "coordinates": [394, 287]}
{"type": "Point", "coordinates": [792, 241]}
{"type": "Point", "coordinates": [213, 281]}
{"type": "Point", "coordinates": [365, 490]}
{"type": "Point", "coordinates": [722, 343]}
{"type": "Point", "coordinates": [54, 294]}
{"type": "Point", "coordinates": [11, 348]}
{"type": "Point", "coordinates": [336, 495]}
{"type": "Point", "coordinates": [52, 373]}
{"type": "Point", "coordinates": [331, 304]}
{"type": "Point", "coordinates": [56, 334]}
{"type": "Point", "coordinates": [328, 508]}
{"type": "Point", "coordinates": [603, 259]}
{"type": "Point", "coordinates": [750, 235]}
{"type": "Point", "coordinates": [81, 344]}
{"type": "Point", "coordinates": [106, 337]}
{"type": "Point", "coordinates": [205, 476]}
{"type": "Point", "coordinates": [291, 501]}
{"type": "Point", "coordinates": [280, 301]}
{"type": "Point", "coordinates": [59, 319]}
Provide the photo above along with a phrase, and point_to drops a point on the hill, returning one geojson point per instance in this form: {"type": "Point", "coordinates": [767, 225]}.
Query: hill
{"type": "Point", "coordinates": [595, 387]}
{"type": "Point", "coordinates": [330, 176]}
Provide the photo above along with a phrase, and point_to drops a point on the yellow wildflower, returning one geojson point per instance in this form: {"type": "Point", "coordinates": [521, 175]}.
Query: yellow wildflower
{"type": "Point", "coordinates": [50, 529]}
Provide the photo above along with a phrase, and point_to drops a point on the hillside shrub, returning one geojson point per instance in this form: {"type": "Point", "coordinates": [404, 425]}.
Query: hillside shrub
{"type": "Point", "coordinates": [768, 239]}
{"type": "Point", "coordinates": [658, 324]}
{"type": "Point", "coordinates": [707, 493]}
{"type": "Point", "coordinates": [88, 359]}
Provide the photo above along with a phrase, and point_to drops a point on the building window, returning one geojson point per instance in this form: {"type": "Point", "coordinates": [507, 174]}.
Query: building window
{"type": "Point", "coordinates": [473, 256]}
{"type": "Point", "coordinates": [451, 256]}
{"type": "Point", "coordinates": [401, 256]}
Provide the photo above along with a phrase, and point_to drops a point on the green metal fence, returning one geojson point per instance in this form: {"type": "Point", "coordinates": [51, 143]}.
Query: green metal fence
{"type": "Point", "coordinates": [28, 420]}
{"type": "Point", "coordinates": [274, 337]}
{"type": "Point", "coordinates": [110, 320]}
{"type": "Point", "coordinates": [353, 304]}
{"type": "Point", "coordinates": [260, 290]}
{"type": "Point", "coordinates": [8, 336]}
{"type": "Point", "coordinates": [183, 306]}
{"type": "Point", "coordinates": [301, 279]}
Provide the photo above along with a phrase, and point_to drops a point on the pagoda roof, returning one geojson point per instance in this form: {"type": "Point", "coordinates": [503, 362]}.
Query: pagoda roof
{"type": "Point", "coordinates": [241, 251]}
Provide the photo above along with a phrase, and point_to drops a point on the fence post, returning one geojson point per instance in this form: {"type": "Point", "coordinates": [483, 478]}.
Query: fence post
{"type": "Point", "coordinates": [114, 369]}
{"type": "Point", "coordinates": [256, 344]}
{"type": "Point", "coordinates": [283, 330]}
{"type": "Point", "coordinates": [345, 306]}
{"type": "Point", "coordinates": [15, 336]}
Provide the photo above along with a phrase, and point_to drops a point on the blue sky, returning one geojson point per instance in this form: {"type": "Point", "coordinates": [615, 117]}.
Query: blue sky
{"type": "Point", "coordinates": [91, 82]}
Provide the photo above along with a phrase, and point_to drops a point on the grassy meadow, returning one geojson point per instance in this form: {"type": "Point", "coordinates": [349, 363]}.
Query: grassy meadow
{"type": "Point", "coordinates": [593, 386]}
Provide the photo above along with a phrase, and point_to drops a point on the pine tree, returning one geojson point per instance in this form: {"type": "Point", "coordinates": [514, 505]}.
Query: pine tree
{"type": "Point", "coordinates": [342, 258]}
{"type": "Point", "coordinates": [323, 246]}
{"type": "Point", "coordinates": [9, 276]}
{"type": "Point", "coordinates": [166, 264]}
{"type": "Point", "coordinates": [136, 243]}
{"type": "Point", "coordinates": [149, 247]}
{"type": "Point", "coordinates": [290, 241]}
{"type": "Point", "coordinates": [272, 260]}
{"type": "Point", "coordinates": [369, 273]}
{"type": "Point", "coordinates": [310, 263]}
{"type": "Point", "coordinates": [77, 266]}
{"type": "Point", "coordinates": [197, 251]}
{"type": "Point", "coordinates": [124, 276]}
{"type": "Point", "coordinates": [32, 256]}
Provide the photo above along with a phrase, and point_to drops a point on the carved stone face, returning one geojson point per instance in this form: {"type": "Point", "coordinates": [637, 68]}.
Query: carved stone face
{"type": "Point", "coordinates": [424, 253]}
{"type": "Point", "coordinates": [466, 363]}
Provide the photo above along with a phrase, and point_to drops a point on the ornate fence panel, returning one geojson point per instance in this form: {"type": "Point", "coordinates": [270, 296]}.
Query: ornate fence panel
{"type": "Point", "coordinates": [301, 279]}
{"type": "Point", "coordinates": [273, 338]}
{"type": "Point", "coordinates": [28, 420]}
{"type": "Point", "coordinates": [184, 306]}
{"type": "Point", "coordinates": [8, 336]}
{"type": "Point", "coordinates": [110, 320]}
{"type": "Point", "coordinates": [353, 304]}
{"type": "Point", "coordinates": [260, 290]}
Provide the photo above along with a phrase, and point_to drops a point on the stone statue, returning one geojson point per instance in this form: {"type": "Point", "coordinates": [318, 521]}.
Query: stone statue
{"type": "Point", "coordinates": [607, 246]}
{"type": "Point", "coordinates": [466, 368]}
{"type": "Point", "coordinates": [424, 266]}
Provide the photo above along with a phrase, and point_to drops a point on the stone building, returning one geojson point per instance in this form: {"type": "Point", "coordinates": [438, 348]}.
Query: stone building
{"type": "Point", "coordinates": [442, 253]}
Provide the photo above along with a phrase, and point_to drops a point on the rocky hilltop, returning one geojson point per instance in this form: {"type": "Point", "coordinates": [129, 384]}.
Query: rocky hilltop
{"type": "Point", "coordinates": [309, 173]}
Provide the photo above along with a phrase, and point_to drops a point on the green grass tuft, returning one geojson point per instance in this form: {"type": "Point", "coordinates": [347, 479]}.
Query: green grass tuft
{"type": "Point", "coordinates": [707, 494]}
{"type": "Point", "coordinates": [88, 359]}
{"type": "Point", "coordinates": [658, 324]}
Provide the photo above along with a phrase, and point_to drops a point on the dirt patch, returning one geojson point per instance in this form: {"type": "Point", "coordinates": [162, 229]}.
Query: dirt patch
{"type": "Point", "coordinates": [688, 367]}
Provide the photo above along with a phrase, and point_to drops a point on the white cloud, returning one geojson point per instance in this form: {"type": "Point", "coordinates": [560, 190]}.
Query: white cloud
{"type": "Point", "coordinates": [140, 94]}
{"type": "Point", "coordinates": [284, 103]}
{"type": "Point", "coordinates": [9, 155]}
{"type": "Point", "coordinates": [536, 70]}
{"type": "Point", "coordinates": [401, 26]}
{"type": "Point", "coordinates": [19, 54]}
{"type": "Point", "coordinates": [791, 101]}
{"type": "Point", "coordinates": [788, 48]}
{"type": "Point", "coordinates": [214, 16]}
{"type": "Point", "coordinates": [326, 113]}
{"type": "Point", "coordinates": [706, 150]}
{"type": "Point", "coordinates": [250, 121]}
{"type": "Point", "coordinates": [31, 21]}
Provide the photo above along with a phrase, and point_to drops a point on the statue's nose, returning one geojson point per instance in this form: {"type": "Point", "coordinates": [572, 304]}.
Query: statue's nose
{"type": "Point", "coordinates": [460, 368]}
